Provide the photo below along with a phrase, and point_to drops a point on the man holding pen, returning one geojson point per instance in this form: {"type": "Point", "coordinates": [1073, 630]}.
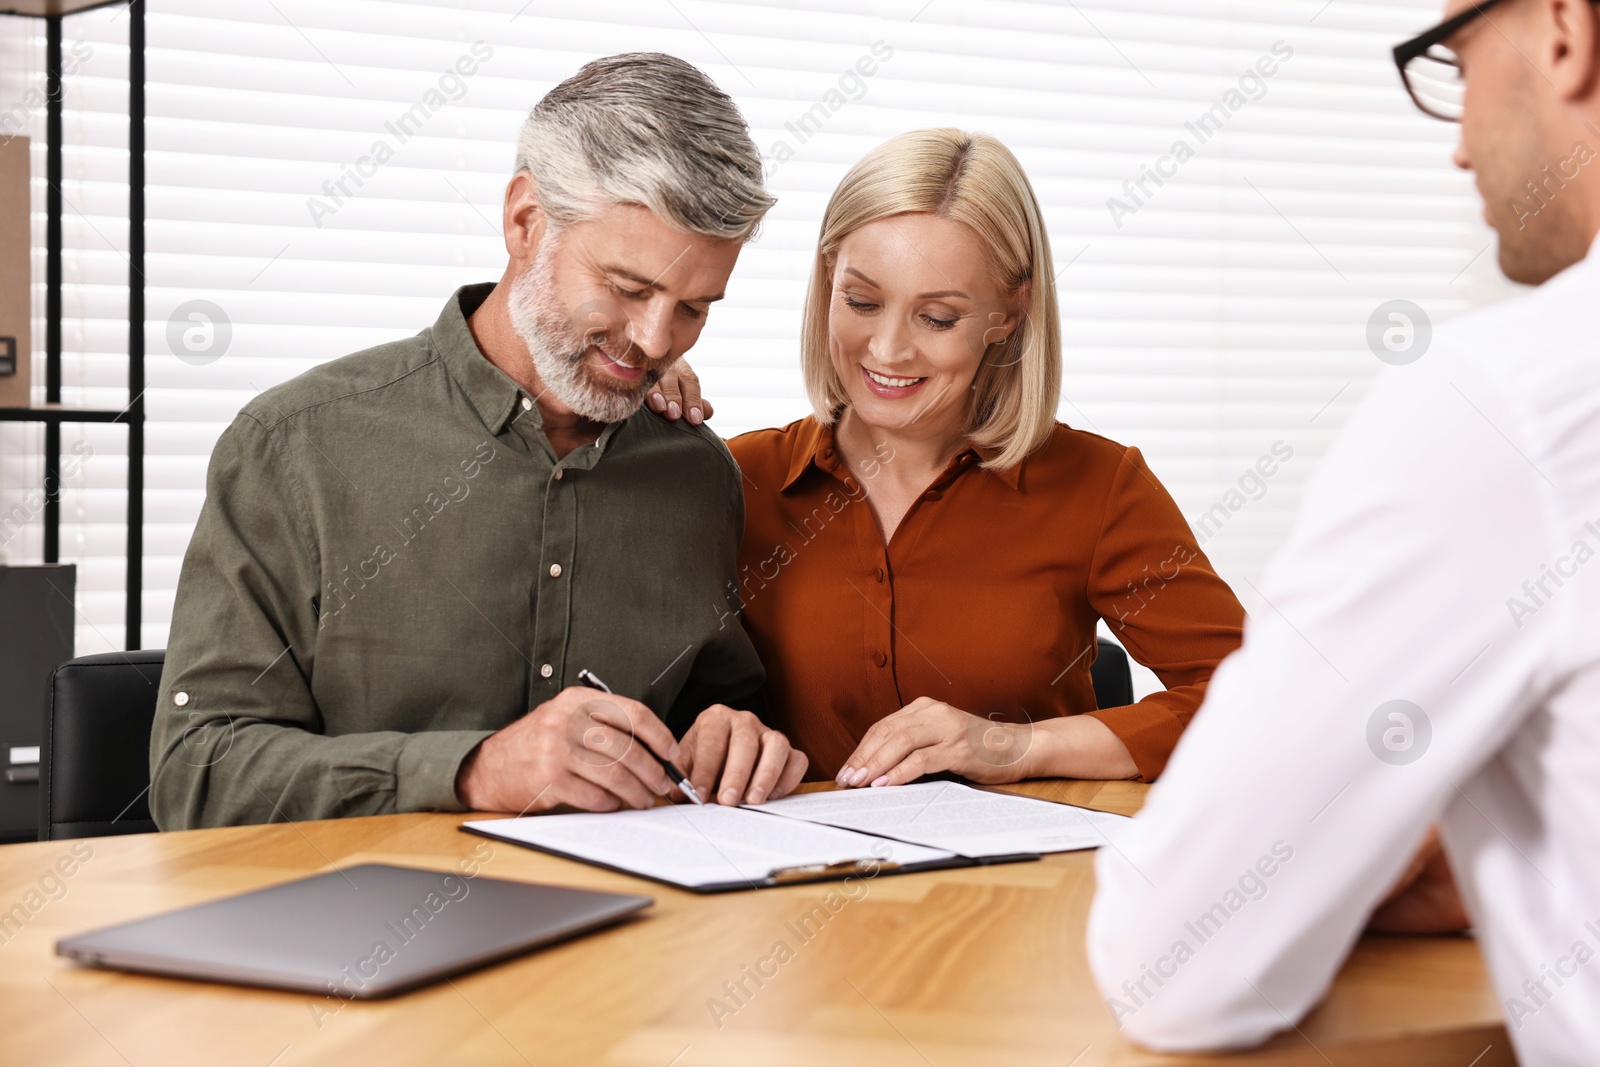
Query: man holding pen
{"type": "Point", "coordinates": [405, 550]}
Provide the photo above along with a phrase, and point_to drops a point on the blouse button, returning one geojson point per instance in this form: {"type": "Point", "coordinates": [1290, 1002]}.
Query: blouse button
{"type": "Point", "coordinates": [879, 659]}
{"type": "Point", "coordinates": [878, 574]}
{"type": "Point", "coordinates": [932, 494]}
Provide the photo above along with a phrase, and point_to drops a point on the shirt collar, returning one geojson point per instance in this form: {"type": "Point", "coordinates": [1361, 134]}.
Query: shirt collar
{"type": "Point", "coordinates": [494, 396]}
{"type": "Point", "coordinates": [814, 447]}
{"type": "Point", "coordinates": [1012, 475]}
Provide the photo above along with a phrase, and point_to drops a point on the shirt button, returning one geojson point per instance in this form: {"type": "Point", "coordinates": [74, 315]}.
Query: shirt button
{"type": "Point", "coordinates": [526, 403]}
{"type": "Point", "coordinates": [558, 475]}
{"type": "Point", "coordinates": [878, 574]}
{"type": "Point", "coordinates": [879, 659]}
{"type": "Point", "coordinates": [555, 570]}
{"type": "Point", "coordinates": [180, 699]}
{"type": "Point", "coordinates": [546, 671]}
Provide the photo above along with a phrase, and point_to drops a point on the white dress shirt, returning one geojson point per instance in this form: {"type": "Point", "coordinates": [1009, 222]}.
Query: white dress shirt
{"type": "Point", "coordinates": [1428, 649]}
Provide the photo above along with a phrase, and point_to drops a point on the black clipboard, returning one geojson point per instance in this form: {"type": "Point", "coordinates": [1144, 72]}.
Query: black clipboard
{"type": "Point", "coordinates": [802, 874]}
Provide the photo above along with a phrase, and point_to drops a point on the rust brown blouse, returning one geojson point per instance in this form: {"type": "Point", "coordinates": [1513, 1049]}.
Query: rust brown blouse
{"type": "Point", "coordinates": [986, 597]}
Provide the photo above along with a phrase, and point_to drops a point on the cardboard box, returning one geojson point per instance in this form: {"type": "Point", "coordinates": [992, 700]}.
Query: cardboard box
{"type": "Point", "coordinates": [16, 317]}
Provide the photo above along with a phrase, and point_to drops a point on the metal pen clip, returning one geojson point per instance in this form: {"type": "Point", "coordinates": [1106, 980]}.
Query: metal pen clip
{"type": "Point", "coordinates": [812, 872]}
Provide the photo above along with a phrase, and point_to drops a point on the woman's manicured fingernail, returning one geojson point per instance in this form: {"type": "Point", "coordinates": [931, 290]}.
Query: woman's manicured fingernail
{"type": "Point", "coordinates": [673, 410]}
{"type": "Point", "coordinates": [859, 777]}
{"type": "Point", "coordinates": [843, 777]}
{"type": "Point", "coordinates": [881, 780]}
{"type": "Point", "coordinates": [658, 402]}
{"type": "Point", "coordinates": [695, 416]}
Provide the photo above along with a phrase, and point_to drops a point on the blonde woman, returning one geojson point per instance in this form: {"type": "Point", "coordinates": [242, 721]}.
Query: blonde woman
{"type": "Point", "coordinates": [927, 554]}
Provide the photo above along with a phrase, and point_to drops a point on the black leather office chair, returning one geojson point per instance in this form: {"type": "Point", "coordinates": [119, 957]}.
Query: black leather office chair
{"type": "Point", "coordinates": [94, 765]}
{"type": "Point", "coordinates": [1113, 677]}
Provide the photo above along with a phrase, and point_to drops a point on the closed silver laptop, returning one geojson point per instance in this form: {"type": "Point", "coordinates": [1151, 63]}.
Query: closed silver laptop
{"type": "Point", "coordinates": [367, 931]}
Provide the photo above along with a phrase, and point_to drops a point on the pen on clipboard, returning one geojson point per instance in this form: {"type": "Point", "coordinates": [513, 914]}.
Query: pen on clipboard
{"type": "Point", "coordinates": [679, 779]}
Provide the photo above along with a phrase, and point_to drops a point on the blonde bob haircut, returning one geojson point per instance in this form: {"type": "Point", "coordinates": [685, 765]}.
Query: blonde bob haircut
{"type": "Point", "coordinates": [974, 179]}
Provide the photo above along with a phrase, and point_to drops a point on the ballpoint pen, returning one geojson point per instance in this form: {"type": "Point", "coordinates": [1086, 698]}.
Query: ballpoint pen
{"type": "Point", "coordinates": [679, 779]}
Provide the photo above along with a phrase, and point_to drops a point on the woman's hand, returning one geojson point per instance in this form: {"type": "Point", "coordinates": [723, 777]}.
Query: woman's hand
{"type": "Point", "coordinates": [678, 393]}
{"type": "Point", "coordinates": [928, 736]}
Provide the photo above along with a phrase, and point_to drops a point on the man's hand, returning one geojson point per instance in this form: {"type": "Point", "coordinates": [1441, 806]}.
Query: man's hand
{"type": "Point", "coordinates": [1425, 900]}
{"type": "Point", "coordinates": [928, 736]}
{"type": "Point", "coordinates": [677, 394]}
{"type": "Point", "coordinates": [581, 747]}
{"type": "Point", "coordinates": [756, 763]}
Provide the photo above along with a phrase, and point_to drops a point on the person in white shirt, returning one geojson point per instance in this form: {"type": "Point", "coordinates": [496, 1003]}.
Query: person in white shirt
{"type": "Point", "coordinates": [1427, 650]}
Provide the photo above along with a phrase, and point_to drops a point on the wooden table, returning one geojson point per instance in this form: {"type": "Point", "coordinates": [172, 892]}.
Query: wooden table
{"type": "Point", "coordinates": [975, 966]}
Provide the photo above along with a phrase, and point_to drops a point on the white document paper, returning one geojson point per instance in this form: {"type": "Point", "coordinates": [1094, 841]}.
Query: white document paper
{"type": "Point", "coordinates": [695, 846]}
{"type": "Point", "coordinates": [969, 822]}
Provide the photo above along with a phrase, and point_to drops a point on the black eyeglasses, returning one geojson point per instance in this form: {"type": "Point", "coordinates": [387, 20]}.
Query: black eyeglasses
{"type": "Point", "coordinates": [1431, 72]}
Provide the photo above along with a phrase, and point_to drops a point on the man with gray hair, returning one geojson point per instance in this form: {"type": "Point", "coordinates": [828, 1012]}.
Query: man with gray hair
{"type": "Point", "coordinates": [403, 551]}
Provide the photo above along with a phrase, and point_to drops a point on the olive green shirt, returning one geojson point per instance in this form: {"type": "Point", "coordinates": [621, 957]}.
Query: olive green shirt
{"type": "Point", "coordinates": [391, 564]}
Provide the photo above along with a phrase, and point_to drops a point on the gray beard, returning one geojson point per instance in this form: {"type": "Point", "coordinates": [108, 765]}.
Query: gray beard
{"type": "Point", "coordinates": [558, 352]}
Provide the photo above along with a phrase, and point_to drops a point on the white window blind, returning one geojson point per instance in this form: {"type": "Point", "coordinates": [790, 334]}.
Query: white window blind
{"type": "Point", "coordinates": [1223, 235]}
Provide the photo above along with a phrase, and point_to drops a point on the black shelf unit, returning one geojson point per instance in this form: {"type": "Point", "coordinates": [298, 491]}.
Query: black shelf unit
{"type": "Point", "coordinates": [53, 413]}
